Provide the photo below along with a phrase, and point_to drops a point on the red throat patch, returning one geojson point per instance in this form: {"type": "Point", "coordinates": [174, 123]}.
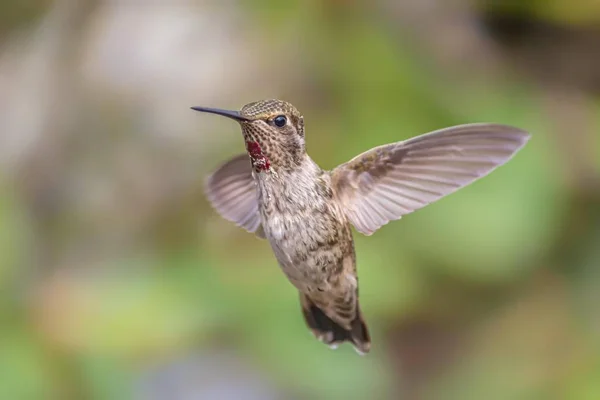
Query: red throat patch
{"type": "Point", "coordinates": [259, 160]}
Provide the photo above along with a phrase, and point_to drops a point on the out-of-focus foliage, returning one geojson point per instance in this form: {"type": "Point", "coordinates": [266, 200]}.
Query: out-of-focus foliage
{"type": "Point", "coordinates": [584, 12]}
{"type": "Point", "coordinates": [117, 280]}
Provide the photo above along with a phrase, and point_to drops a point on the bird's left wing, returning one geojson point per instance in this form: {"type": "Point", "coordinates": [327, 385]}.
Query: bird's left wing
{"type": "Point", "coordinates": [392, 180]}
{"type": "Point", "coordinates": [232, 191]}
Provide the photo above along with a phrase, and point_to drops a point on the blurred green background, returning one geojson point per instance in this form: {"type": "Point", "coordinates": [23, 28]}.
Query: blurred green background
{"type": "Point", "coordinates": [118, 281]}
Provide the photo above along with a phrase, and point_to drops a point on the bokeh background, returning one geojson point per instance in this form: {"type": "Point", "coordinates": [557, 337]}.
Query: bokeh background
{"type": "Point", "coordinates": [118, 281]}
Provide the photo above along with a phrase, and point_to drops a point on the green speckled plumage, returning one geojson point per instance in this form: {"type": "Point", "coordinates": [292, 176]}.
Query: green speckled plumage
{"type": "Point", "coordinates": [306, 213]}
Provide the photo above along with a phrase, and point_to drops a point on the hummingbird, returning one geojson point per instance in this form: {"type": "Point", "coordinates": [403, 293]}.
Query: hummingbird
{"type": "Point", "coordinates": [276, 191]}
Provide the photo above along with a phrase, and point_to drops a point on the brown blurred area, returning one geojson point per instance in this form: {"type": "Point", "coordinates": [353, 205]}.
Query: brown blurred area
{"type": "Point", "coordinates": [117, 280]}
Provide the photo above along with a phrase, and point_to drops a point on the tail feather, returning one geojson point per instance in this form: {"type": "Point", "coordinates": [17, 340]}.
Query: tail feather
{"type": "Point", "coordinates": [331, 333]}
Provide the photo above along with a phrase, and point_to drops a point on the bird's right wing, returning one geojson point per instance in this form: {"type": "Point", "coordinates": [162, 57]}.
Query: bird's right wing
{"type": "Point", "coordinates": [392, 180]}
{"type": "Point", "coordinates": [231, 190]}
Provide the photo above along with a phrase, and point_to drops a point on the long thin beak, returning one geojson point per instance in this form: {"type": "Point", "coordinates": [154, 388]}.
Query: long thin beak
{"type": "Point", "coordinates": [225, 113]}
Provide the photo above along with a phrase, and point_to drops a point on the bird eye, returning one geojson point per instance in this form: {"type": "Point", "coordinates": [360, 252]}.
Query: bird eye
{"type": "Point", "coordinates": [280, 120]}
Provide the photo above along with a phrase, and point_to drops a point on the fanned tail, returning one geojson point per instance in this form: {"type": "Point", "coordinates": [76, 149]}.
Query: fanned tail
{"type": "Point", "coordinates": [330, 332]}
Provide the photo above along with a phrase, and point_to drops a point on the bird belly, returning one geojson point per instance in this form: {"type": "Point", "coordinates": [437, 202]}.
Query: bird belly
{"type": "Point", "coordinates": [307, 229]}
{"type": "Point", "coordinates": [309, 251]}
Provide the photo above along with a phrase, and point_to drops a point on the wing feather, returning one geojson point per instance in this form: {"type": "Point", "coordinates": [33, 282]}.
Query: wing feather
{"type": "Point", "coordinates": [393, 180]}
{"type": "Point", "coordinates": [231, 190]}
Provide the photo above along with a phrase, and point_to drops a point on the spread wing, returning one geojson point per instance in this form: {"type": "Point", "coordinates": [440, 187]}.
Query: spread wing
{"type": "Point", "coordinates": [392, 180]}
{"type": "Point", "coordinates": [232, 192]}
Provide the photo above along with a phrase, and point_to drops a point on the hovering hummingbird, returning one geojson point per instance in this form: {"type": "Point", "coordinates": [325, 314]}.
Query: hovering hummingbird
{"type": "Point", "coordinates": [278, 192]}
